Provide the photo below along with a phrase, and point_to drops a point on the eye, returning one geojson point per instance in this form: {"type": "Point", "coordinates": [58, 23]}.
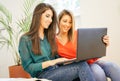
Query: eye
{"type": "Point", "coordinates": [64, 20]}
{"type": "Point", "coordinates": [47, 15]}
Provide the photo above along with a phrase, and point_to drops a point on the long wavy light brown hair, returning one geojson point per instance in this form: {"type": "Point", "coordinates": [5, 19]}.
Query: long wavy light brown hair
{"type": "Point", "coordinates": [71, 31]}
{"type": "Point", "coordinates": [33, 33]}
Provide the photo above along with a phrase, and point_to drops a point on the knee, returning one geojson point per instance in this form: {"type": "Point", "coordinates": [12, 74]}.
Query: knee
{"type": "Point", "coordinates": [106, 64]}
{"type": "Point", "coordinates": [98, 72]}
{"type": "Point", "coordinates": [96, 69]}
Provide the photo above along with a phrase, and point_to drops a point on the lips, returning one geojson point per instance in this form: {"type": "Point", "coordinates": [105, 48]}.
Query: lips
{"type": "Point", "coordinates": [47, 24]}
{"type": "Point", "coordinates": [65, 29]}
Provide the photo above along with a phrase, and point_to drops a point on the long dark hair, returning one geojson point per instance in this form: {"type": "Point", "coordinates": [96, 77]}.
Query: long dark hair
{"type": "Point", "coordinates": [33, 33]}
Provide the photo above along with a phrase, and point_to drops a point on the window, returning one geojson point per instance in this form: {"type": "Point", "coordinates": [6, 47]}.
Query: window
{"type": "Point", "coordinates": [59, 5]}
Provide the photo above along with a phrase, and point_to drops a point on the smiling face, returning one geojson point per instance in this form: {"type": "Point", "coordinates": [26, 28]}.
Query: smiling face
{"type": "Point", "coordinates": [46, 19]}
{"type": "Point", "coordinates": [65, 23]}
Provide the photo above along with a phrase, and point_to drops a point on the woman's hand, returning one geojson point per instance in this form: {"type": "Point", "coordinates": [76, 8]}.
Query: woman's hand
{"type": "Point", "coordinates": [53, 62]}
{"type": "Point", "coordinates": [61, 60]}
{"type": "Point", "coordinates": [58, 60]}
{"type": "Point", "coordinates": [106, 40]}
{"type": "Point", "coordinates": [65, 60]}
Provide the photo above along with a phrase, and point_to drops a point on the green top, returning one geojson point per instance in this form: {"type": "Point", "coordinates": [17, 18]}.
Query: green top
{"type": "Point", "coordinates": [33, 63]}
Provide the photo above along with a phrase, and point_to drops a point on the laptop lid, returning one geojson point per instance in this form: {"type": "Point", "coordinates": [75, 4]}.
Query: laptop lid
{"type": "Point", "coordinates": [90, 43]}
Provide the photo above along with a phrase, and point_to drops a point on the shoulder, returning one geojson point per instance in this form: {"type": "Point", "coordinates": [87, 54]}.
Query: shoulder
{"type": "Point", "coordinates": [24, 41]}
{"type": "Point", "coordinates": [56, 37]}
{"type": "Point", "coordinates": [24, 38]}
{"type": "Point", "coordinates": [75, 32]}
{"type": "Point", "coordinates": [57, 40]}
{"type": "Point", "coordinates": [75, 37]}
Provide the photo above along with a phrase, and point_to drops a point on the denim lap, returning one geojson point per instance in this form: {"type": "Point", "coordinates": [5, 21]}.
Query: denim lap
{"type": "Point", "coordinates": [69, 72]}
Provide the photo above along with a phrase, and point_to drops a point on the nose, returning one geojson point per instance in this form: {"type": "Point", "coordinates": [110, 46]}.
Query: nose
{"type": "Point", "coordinates": [67, 24]}
{"type": "Point", "coordinates": [50, 20]}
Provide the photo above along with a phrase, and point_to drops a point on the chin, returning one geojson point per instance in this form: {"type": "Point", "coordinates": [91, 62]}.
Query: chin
{"type": "Point", "coordinates": [45, 27]}
{"type": "Point", "coordinates": [65, 30]}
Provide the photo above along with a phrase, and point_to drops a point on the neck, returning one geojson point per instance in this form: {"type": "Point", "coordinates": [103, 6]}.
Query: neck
{"type": "Point", "coordinates": [63, 38]}
{"type": "Point", "coordinates": [41, 33]}
{"type": "Point", "coordinates": [63, 35]}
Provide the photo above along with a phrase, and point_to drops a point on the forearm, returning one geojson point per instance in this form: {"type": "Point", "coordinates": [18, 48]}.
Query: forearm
{"type": "Point", "coordinates": [48, 63]}
{"type": "Point", "coordinates": [52, 62]}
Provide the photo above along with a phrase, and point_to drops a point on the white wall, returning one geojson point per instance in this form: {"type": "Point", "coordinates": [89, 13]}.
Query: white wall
{"type": "Point", "coordinates": [93, 13]}
{"type": "Point", "coordinates": [6, 58]}
{"type": "Point", "coordinates": [104, 13]}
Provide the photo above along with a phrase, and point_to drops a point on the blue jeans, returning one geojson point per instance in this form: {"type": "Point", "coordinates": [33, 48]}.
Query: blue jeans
{"type": "Point", "coordinates": [68, 72]}
{"type": "Point", "coordinates": [103, 69]}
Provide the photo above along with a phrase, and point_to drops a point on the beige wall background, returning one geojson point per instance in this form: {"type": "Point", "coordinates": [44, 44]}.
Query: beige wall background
{"type": "Point", "coordinates": [103, 13]}
{"type": "Point", "coordinates": [93, 13]}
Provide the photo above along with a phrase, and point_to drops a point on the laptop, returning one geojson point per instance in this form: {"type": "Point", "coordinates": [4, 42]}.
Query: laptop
{"type": "Point", "coordinates": [89, 44]}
